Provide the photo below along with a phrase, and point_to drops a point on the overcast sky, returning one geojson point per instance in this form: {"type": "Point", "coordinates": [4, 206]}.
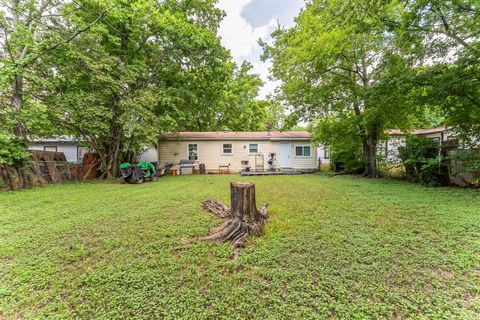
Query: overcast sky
{"type": "Point", "coordinates": [250, 20]}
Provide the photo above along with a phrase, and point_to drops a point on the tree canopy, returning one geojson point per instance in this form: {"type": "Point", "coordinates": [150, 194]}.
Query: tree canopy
{"type": "Point", "coordinates": [339, 61]}
{"type": "Point", "coordinates": [443, 38]}
{"type": "Point", "coordinates": [118, 73]}
{"type": "Point", "coordinates": [356, 68]}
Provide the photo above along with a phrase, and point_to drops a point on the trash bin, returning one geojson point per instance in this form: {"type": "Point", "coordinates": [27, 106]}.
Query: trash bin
{"type": "Point", "coordinates": [202, 168]}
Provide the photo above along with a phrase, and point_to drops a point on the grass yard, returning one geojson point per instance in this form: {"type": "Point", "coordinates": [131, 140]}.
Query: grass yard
{"type": "Point", "coordinates": [341, 247]}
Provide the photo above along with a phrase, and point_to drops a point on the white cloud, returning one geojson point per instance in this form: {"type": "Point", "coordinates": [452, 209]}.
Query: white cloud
{"type": "Point", "coordinates": [237, 34]}
{"type": "Point", "coordinates": [242, 39]}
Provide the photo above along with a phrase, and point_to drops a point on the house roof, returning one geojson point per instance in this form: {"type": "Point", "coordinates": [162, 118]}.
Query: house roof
{"type": "Point", "coordinates": [56, 139]}
{"type": "Point", "coordinates": [395, 132]}
{"type": "Point", "coordinates": [231, 135]}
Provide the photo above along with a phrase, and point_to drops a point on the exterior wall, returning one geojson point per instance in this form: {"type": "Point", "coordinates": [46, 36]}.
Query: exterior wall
{"type": "Point", "coordinates": [322, 155]}
{"type": "Point", "coordinates": [149, 155]}
{"type": "Point", "coordinates": [389, 148]}
{"type": "Point", "coordinates": [397, 141]}
{"type": "Point", "coordinates": [70, 150]}
{"type": "Point", "coordinates": [210, 153]}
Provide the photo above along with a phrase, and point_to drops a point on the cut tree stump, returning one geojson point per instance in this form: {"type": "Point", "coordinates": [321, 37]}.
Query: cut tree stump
{"type": "Point", "coordinates": [241, 220]}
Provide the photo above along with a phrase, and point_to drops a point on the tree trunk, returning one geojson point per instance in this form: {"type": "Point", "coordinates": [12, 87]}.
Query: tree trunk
{"type": "Point", "coordinates": [20, 129]}
{"type": "Point", "coordinates": [241, 220]}
{"type": "Point", "coordinates": [110, 152]}
{"type": "Point", "coordinates": [371, 169]}
{"type": "Point", "coordinates": [365, 157]}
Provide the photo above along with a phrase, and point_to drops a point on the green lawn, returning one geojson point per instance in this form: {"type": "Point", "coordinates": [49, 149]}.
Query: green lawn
{"type": "Point", "coordinates": [339, 247]}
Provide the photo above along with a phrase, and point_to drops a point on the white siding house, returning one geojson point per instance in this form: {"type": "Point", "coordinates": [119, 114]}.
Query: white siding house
{"type": "Point", "coordinates": [389, 148]}
{"type": "Point", "coordinates": [293, 149]}
{"type": "Point", "coordinates": [73, 150]}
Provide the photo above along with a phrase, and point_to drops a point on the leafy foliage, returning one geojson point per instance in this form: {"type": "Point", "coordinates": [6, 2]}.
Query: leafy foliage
{"type": "Point", "coordinates": [339, 135]}
{"type": "Point", "coordinates": [442, 37]}
{"type": "Point", "coordinates": [241, 110]}
{"type": "Point", "coordinates": [466, 161]}
{"type": "Point", "coordinates": [155, 69]}
{"type": "Point", "coordinates": [340, 60]}
{"type": "Point", "coordinates": [117, 74]}
{"type": "Point", "coordinates": [470, 157]}
{"type": "Point", "coordinates": [12, 149]}
{"type": "Point", "coordinates": [423, 161]}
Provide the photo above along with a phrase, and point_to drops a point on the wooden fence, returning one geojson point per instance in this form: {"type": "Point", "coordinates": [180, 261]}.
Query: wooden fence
{"type": "Point", "coordinates": [46, 167]}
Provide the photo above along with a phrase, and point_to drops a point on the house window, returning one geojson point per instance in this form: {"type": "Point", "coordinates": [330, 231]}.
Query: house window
{"type": "Point", "coordinates": [227, 148]}
{"type": "Point", "coordinates": [50, 148]}
{"type": "Point", "coordinates": [192, 151]}
{"type": "Point", "coordinates": [253, 148]}
{"type": "Point", "coordinates": [326, 152]}
{"type": "Point", "coordinates": [302, 151]}
{"type": "Point", "coordinates": [81, 151]}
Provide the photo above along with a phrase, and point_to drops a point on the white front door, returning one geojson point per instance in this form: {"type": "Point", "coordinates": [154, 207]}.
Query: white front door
{"type": "Point", "coordinates": [285, 155]}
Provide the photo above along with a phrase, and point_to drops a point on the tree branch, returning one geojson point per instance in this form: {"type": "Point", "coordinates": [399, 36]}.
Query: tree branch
{"type": "Point", "coordinates": [448, 31]}
{"type": "Point", "coordinates": [69, 39]}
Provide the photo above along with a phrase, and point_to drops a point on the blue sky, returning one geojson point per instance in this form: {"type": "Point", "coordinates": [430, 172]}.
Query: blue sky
{"type": "Point", "coordinates": [246, 22]}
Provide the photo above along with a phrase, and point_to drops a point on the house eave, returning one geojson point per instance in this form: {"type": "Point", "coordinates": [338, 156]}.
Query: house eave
{"type": "Point", "coordinates": [233, 139]}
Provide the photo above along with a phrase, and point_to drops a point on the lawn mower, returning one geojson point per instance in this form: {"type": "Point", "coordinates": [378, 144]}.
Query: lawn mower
{"type": "Point", "coordinates": [137, 173]}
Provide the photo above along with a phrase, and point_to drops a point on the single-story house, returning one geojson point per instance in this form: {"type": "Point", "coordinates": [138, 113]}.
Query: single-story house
{"type": "Point", "coordinates": [73, 149]}
{"type": "Point", "coordinates": [397, 138]}
{"type": "Point", "coordinates": [438, 134]}
{"type": "Point", "coordinates": [235, 150]}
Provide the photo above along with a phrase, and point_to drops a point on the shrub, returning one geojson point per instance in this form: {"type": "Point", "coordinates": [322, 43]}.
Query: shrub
{"type": "Point", "coordinates": [423, 161]}
{"type": "Point", "coordinates": [471, 158]}
{"type": "Point", "coordinates": [347, 158]}
{"type": "Point", "coordinates": [12, 149]}
{"type": "Point", "coordinates": [466, 161]}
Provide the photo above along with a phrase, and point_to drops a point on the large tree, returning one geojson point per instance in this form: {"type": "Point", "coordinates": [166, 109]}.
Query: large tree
{"type": "Point", "coordinates": [242, 110]}
{"type": "Point", "coordinates": [146, 68]}
{"type": "Point", "coordinates": [29, 30]}
{"type": "Point", "coordinates": [117, 74]}
{"type": "Point", "coordinates": [340, 61]}
{"type": "Point", "coordinates": [443, 36]}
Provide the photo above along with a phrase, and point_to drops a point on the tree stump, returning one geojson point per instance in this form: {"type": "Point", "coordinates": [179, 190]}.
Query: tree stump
{"type": "Point", "coordinates": [241, 220]}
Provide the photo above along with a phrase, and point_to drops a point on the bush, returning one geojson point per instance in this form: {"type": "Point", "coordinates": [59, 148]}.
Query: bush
{"type": "Point", "coordinates": [347, 159]}
{"type": "Point", "coordinates": [471, 158]}
{"type": "Point", "coordinates": [423, 161]}
{"type": "Point", "coordinates": [466, 161]}
{"type": "Point", "coordinates": [12, 149]}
